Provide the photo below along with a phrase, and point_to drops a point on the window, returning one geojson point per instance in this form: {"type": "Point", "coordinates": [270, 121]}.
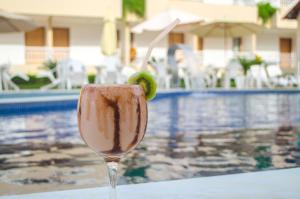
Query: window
{"type": "Point", "coordinates": [176, 38]}
{"type": "Point", "coordinates": [35, 41]}
{"type": "Point", "coordinates": [61, 42]}
{"type": "Point", "coordinates": [35, 37]}
{"type": "Point", "coordinates": [237, 44]}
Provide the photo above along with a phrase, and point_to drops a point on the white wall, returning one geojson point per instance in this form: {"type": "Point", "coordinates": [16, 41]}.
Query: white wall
{"type": "Point", "coordinates": [247, 43]}
{"type": "Point", "coordinates": [12, 48]}
{"type": "Point", "coordinates": [214, 51]}
{"type": "Point", "coordinates": [85, 43]}
{"type": "Point", "coordinates": [142, 42]}
{"type": "Point", "coordinates": [268, 45]}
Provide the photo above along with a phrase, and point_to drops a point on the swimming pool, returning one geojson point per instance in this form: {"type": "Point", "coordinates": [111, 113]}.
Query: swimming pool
{"type": "Point", "coordinates": [189, 134]}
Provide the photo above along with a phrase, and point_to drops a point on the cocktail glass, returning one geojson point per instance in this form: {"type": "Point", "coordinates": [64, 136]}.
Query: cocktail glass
{"type": "Point", "coordinates": [112, 120]}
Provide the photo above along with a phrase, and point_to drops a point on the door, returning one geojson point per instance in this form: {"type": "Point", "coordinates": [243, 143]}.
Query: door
{"type": "Point", "coordinates": [285, 52]}
{"type": "Point", "coordinates": [176, 38]}
{"type": "Point", "coordinates": [60, 37]}
{"type": "Point", "coordinates": [61, 42]}
{"type": "Point", "coordinates": [35, 46]}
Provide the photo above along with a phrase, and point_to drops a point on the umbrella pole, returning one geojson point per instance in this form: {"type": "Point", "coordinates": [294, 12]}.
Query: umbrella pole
{"type": "Point", "coordinates": [225, 45]}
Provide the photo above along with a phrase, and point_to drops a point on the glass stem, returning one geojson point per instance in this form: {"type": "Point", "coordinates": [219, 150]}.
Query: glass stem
{"type": "Point", "coordinates": [112, 168]}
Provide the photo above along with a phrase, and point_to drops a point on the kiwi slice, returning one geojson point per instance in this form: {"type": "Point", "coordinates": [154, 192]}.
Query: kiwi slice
{"type": "Point", "coordinates": [146, 81]}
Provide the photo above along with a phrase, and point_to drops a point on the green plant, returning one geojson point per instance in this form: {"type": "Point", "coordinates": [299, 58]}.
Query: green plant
{"type": "Point", "coordinates": [32, 83]}
{"type": "Point", "coordinates": [265, 11]}
{"type": "Point", "coordinates": [248, 62]}
{"type": "Point", "coordinates": [136, 7]}
{"type": "Point", "coordinates": [91, 78]}
{"type": "Point", "coordinates": [50, 65]}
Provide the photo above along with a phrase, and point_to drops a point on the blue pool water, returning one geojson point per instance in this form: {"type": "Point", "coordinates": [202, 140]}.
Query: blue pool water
{"type": "Point", "coordinates": [188, 135]}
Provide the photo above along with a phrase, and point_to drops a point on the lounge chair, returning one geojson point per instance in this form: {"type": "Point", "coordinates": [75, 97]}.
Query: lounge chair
{"type": "Point", "coordinates": [276, 76]}
{"type": "Point", "coordinates": [70, 73]}
{"type": "Point", "coordinates": [234, 72]}
{"type": "Point", "coordinates": [109, 71]}
{"type": "Point", "coordinates": [258, 77]}
{"type": "Point", "coordinates": [162, 76]}
{"type": "Point", "coordinates": [6, 82]}
{"type": "Point", "coordinates": [210, 76]}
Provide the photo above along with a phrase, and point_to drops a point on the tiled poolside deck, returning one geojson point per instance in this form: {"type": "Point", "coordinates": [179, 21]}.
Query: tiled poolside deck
{"type": "Point", "coordinates": [276, 184]}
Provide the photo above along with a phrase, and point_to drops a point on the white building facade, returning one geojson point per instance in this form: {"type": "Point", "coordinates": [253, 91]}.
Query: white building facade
{"type": "Point", "coordinates": [77, 33]}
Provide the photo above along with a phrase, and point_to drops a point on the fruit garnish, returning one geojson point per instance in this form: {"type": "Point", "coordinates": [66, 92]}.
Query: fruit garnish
{"type": "Point", "coordinates": [146, 81]}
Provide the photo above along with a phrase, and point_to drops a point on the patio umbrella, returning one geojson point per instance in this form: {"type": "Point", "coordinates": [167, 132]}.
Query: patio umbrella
{"type": "Point", "coordinates": [227, 29]}
{"type": "Point", "coordinates": [109, 38]}
{"type": "Point", "coordinates": [163, 19]}
{"type": "Point", "coordinates": [10, 22]}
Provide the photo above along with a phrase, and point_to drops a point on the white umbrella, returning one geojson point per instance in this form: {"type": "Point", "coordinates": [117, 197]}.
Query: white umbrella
{"type": "Point", "coordinates": [227, 29]}
{"type": "Point", "coordinates": [109, 38]}
{"type": "Point", "coordinates": [163, 19]}
{"type": "Point", "coordinates": [10, 22]}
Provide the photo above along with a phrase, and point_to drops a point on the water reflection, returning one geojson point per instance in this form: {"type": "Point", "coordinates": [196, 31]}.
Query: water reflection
{"type": "Point", "coordinates": [197, 135]}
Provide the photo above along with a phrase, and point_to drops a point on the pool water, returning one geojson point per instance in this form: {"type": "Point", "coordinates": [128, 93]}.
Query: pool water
{"type": "Point", "coordinates": [192, 135]}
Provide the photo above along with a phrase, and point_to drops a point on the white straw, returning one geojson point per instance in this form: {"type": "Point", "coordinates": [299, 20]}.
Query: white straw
{"type": "Point", "coordinates": [166, 30]}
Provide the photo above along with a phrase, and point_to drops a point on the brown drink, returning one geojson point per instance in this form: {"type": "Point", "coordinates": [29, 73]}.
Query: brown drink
{"type": "Point", "coordinates": [112, 119]}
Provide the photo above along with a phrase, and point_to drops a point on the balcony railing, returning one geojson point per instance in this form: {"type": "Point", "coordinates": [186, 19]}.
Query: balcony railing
{"type": "Point", "coordinates": [219, 58]}
{"type": "Point", "coordinates": [276, 3]}
{"type": "Point", "coordinates": [37, 55]}
{"type": "Point", "coordinates": [286, 3]}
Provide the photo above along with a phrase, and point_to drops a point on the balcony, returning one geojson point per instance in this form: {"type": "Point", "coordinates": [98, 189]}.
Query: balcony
{"type": "Point", "coordinates": [37, 55]}
{"type": "Point", "coordinates": [217, 58]}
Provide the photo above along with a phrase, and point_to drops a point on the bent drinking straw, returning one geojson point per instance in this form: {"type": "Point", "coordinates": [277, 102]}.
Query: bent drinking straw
{"type": "Point", "coordinates": [159, 37]}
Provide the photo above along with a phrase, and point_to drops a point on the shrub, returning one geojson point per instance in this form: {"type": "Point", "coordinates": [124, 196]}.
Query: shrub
{"type": "Point", "coordinates": [248, 62]}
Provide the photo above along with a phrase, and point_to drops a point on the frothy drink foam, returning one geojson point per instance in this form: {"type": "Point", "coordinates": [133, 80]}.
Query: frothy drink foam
{"type": "Point", "coordinates": [112, 119]}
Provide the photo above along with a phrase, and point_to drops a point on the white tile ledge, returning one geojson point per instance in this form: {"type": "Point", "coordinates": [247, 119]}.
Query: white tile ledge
{"type": "Point", "coordinates": [275, 184]}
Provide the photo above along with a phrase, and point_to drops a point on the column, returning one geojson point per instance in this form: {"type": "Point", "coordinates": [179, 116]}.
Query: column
{"type": "Point", "coordinates": [49, 38]}
{"type": "Point", "coordinates": [125, 43]}
{"type": "Point", "coordinates": [191, 40]}
{"type": "Point", "coordinates": [253, 43]}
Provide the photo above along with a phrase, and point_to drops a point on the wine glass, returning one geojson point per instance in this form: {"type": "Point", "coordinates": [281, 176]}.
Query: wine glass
{"type": "Point", "coordinates": [112, 120]}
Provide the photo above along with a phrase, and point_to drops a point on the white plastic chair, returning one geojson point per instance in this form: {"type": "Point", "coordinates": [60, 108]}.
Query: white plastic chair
{"type": "Point", "coordinates": [234, 71]}
{"type": "Point", "coordinates": [109, 71]}
{"type": "Point", "coordinates": [210, 76]}
{"type": "Point", "coordinates": [6, 82]}
{"type": "Point", "coordinates": [126, 72]}
{"type": "Point", "coordinates": [258, 77]}
{"type": "Point", "coordinates": [99, 79]}
{"type": "Point", "coordinates": [162, 76]}
{"type": "Point", "coordinates": [70, 73]}
{"type": "Point", "coordinates": [276, 76]}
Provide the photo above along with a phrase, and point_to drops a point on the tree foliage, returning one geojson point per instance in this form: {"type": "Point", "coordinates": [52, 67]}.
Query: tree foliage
{"type": "Point", "coordinates": [265, 11]}
{"type": "Point", "coordinates": [136, 7]}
